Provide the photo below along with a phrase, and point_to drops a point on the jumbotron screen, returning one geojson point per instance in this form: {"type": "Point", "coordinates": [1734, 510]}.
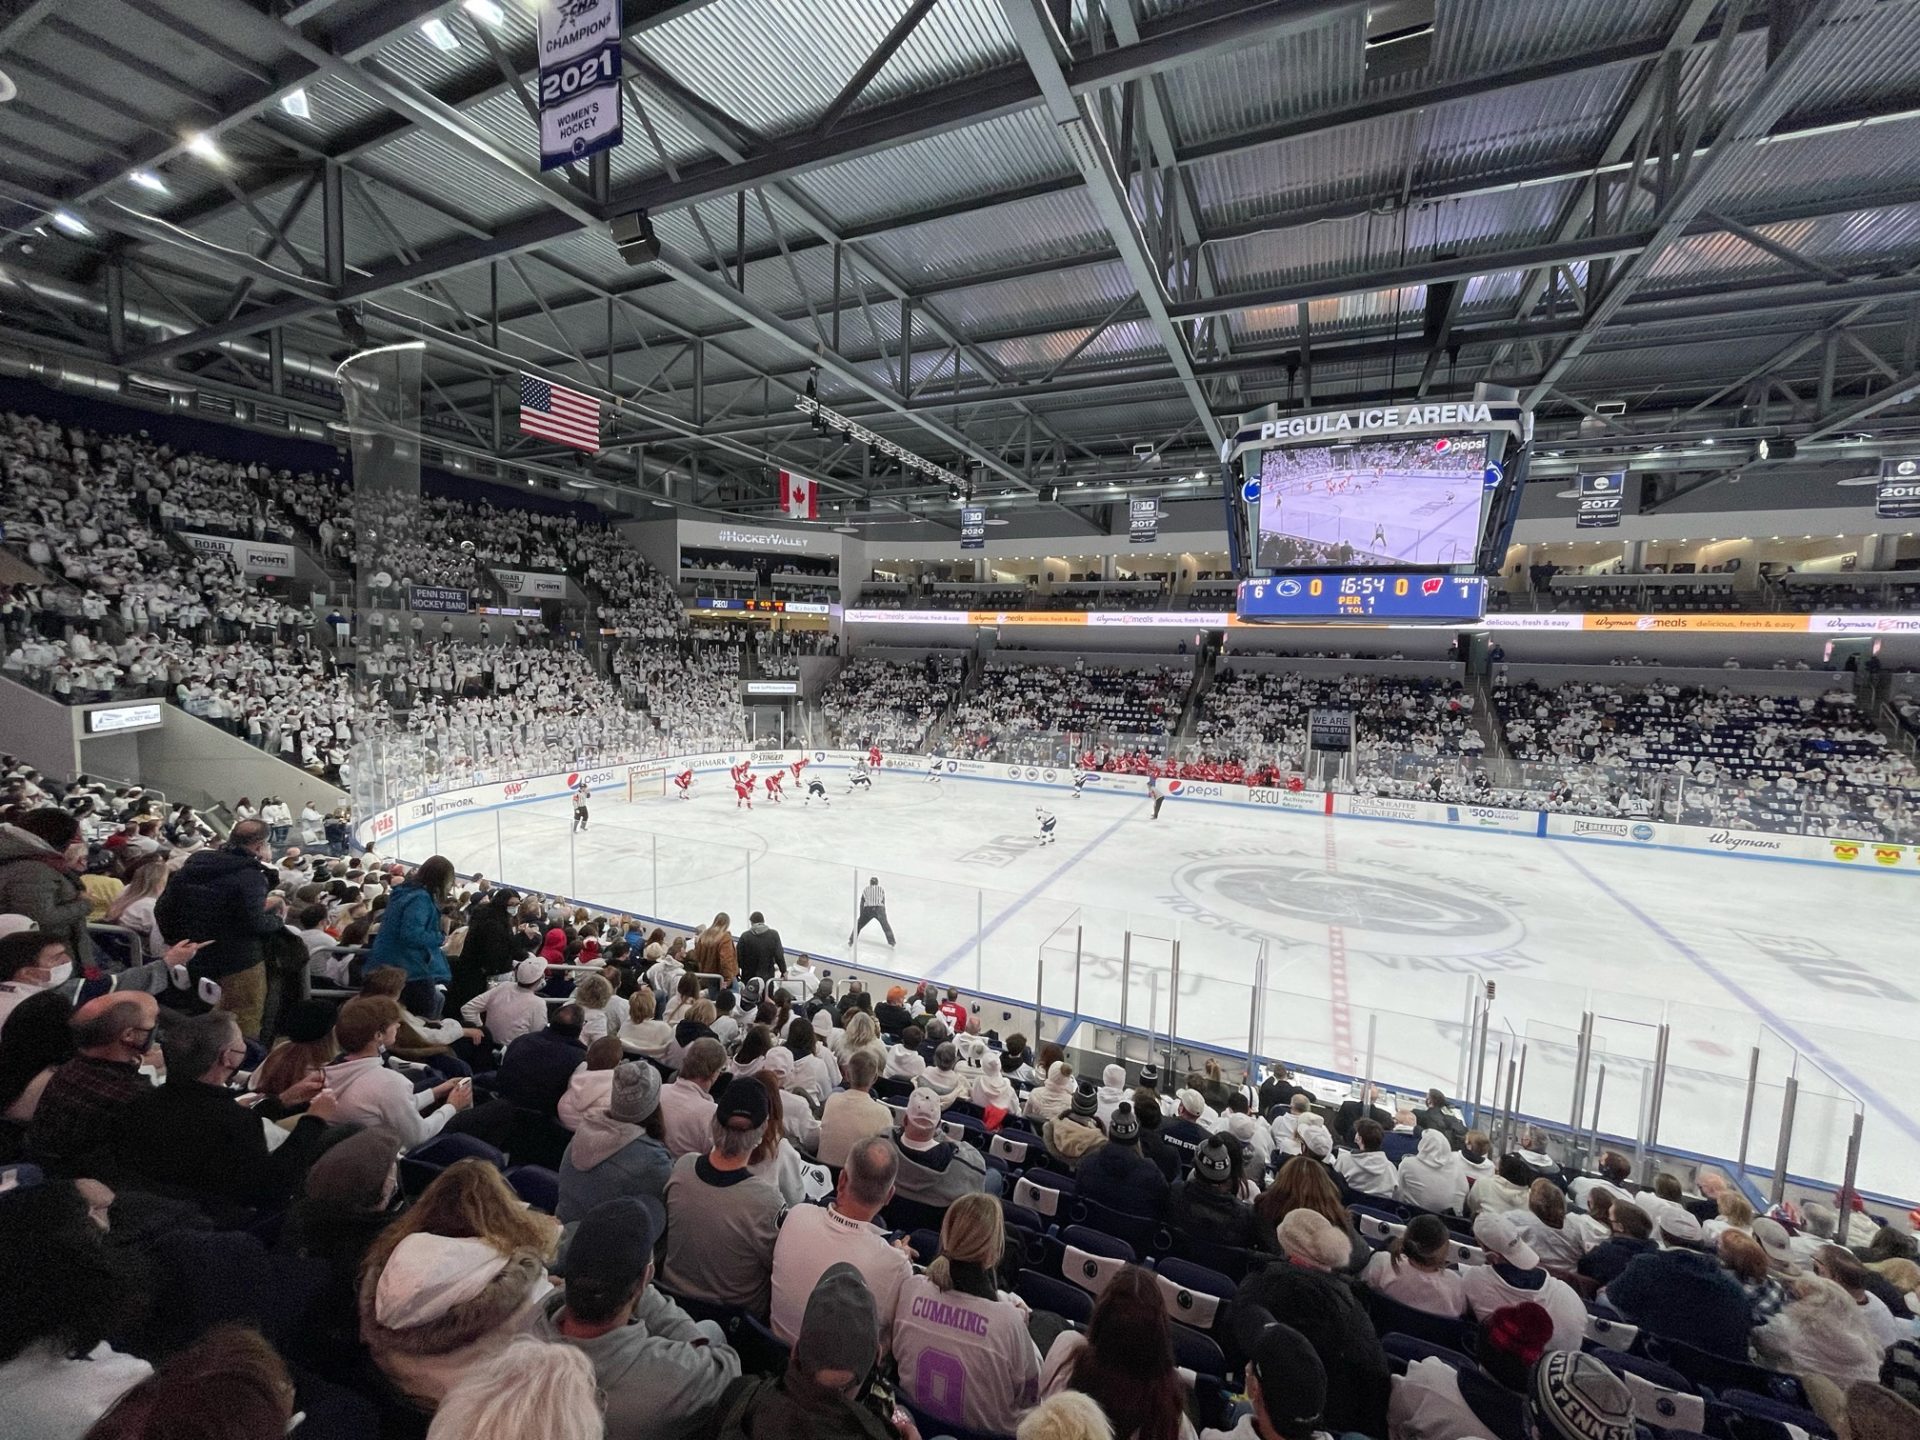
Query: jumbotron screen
{"type": "Point", "coordinates": [1373, 503]}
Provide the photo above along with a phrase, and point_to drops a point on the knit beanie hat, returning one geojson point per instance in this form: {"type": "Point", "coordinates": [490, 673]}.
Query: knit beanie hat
{"type": "Point", "coordinates": [1124, 1126]}
{"type": "Point", "coordinates": [309, 1021]}
{"type": "Point", "coordinates": [1086, 1103]}
{"type": "Point", "coordinates": [1293, 1379]}
{"type": "Point", "coordinates": [636, 1092]}
{"type": "Point", "coordinates": [1149, 1077]}
{"type": "Point", "coordinates": [1113, 1077]}
{"type": "Point", "coordinates": [1575, 1397]}
{"type": "Point", "coordinates": [1213, 1162]}
{"type": "Point", "coordinates": [352, 1174]}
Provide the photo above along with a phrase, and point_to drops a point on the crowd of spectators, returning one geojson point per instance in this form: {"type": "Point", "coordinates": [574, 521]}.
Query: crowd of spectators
{"type": "Point", "coordinates": [889, 703]}
{"type": "Point", "coordinates": [688, 685]}
{"type": "Point", "coordinates": [1014, 703]}
{"type": "Point", "coordinates": [432, 1158]}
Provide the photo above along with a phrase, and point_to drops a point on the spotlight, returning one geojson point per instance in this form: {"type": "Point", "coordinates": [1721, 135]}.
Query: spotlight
{"type": "Point", "coordinates": [633, 237]}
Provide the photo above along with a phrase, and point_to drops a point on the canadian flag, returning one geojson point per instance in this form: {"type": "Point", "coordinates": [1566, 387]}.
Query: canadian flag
{"type": "Point", "coordinates": [799, 496]}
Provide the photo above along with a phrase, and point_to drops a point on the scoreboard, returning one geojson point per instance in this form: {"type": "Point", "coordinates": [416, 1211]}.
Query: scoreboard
{"type": "Point", "coordinates": [1377, 595]}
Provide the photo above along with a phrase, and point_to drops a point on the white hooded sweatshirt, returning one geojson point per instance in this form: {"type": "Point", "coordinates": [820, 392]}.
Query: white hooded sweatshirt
{"type": "Point", "coordinates": [993, 1091]}
{"type": "Point", "coordinates": [1432, 1178]}
{"type": "Point", "coordinates": [1113, 1090]}
{"type": "Point", "coordinates": [443, 1307]}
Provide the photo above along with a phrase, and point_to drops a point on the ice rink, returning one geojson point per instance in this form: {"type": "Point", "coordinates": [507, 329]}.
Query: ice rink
{"type": "Point", "coordinates": [1365, 929]}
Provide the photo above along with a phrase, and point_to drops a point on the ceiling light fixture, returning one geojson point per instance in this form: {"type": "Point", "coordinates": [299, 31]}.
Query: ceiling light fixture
{"type": "Point", "coordinates": [70, 222]}
{"type": "Point", "coordinates": [295, 103]}
{"type": "Point", "coordinates": [202, 144]}
{"type": "Point", "coordinates": [147, 180]}
{"type": "Point", "coordinates": [440, 35]}
{"type": "Point", "coordinates": [486, 12]}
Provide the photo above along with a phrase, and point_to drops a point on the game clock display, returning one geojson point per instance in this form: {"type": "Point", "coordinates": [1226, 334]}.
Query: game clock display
{"type": "Point", "coordinates": [1378, 596]}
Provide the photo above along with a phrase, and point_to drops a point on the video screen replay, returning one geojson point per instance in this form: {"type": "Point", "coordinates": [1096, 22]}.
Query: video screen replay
{"type": "Point", "coordinates": [1373, 503]}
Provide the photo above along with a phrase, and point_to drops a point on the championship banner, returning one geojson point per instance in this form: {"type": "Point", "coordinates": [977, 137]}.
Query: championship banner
{"type": "Point", "coordinates": [446, 599]}
{"type": "Point", "coordinates": [973, 527]}
{"type": "Point", "coordinates": [253, 557]}
{"type": "Point", "coordinates": [580, 112]}
{"type": "Point", "coordinates": [1898, 497]}
{"type": "Point", "coordinates": [1143, 522]}
{"type": "Point", "coordinates": [1601, 497]}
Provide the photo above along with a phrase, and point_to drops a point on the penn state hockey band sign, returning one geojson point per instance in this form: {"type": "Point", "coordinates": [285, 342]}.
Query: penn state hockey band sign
{"type": "Point", "coordinates": [1341, 425]}
{"type": "Point", "coordinates": [580, 111]}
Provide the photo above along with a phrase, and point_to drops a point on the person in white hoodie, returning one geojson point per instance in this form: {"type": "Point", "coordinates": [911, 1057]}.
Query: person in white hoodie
{"type": "Point", "coordinates": [591, 1087]}
{"type": "Point", "coordinates": [1053, 1097]}
{"type": "Point", "coordinates": [904, 1061]}
{"type": "Point", "coordinates": [1111, 1093]}
{"type": "Point", "coordinates": [506, 1012]}
{"type": "Point", "coordinates": [366, 1092]}
{"type": "Point", "coordinates": [1432, 1178]}
{"type": "Point", "coordinates": [450, 1283]}
{"type": "Point", "coordinates": [1366, 1168]}
{"type": "Point", "coordinates": [993, 1091]}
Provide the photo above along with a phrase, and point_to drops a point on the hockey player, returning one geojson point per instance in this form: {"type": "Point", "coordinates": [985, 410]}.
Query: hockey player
{"type": "Point", "coordinates": [861, 778]}
{"type": "Point", "coordinates": [1155, 794]}
{"type": "Point", "coordinates": [817, 790]}
{"type": "Point", "coordinates": [775, 779]}
{"type": "Point", "coordinates": [683, 782]}
{"type": "Point", "coordinates": [1080, 783]}
{"type": "Point", "coordinates": [1047, 821]}
{"type": "Point", "coordinates": [800, 765]}
{"type": "Point", "coordinates": [933, 770]}
{"type": "Point", "coordinates": [743, 792]}
{"type": "Point", "coordinates": [873, 757]}
{"type": "Point", "coordinates": [580, 797]}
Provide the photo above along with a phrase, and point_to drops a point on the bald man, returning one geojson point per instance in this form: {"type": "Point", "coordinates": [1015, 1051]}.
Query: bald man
{"type": "Point", "coordinates": [81, 1107]}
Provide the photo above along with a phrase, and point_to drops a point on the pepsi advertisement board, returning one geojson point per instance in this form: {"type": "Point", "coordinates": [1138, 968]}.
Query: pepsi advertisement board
{"type": "Point", "coordinates": [1437, 599]}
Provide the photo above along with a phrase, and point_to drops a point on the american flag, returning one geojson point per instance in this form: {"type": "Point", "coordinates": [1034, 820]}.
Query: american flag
{"type": "Point", "coordinates": [554, 412]}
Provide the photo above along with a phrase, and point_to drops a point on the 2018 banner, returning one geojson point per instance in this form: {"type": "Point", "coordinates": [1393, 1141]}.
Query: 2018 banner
{"type": "Point", "coordinates": [1898, 497]}
{"type": "Point", "coordinates": [580, 111]}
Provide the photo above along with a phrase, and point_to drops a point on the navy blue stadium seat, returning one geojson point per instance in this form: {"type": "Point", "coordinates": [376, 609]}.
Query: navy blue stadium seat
{"type": "Point", "coordinates": [1390, 1317]}
{"type": "Point", "coordinates": [420, 1164]}
{"type": "Point", "coordinates": [537, 1185]}
{"type": "Point", "coordinates": [1145, 1234]}
{"type": "Point", "coordinates": [1044, 1292]}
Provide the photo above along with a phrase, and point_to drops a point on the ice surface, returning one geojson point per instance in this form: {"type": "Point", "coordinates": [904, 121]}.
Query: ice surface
{"type": "Point", "coordinates": [1372, 931]}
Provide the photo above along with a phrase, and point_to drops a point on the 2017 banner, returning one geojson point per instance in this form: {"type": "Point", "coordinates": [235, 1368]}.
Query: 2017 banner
{"type": "Point", "coordinates": [580, 110]}
{"type": "Point", "coordinates": [1601, 497]}
{"type": "Point", "coordinates": [1143, 522]}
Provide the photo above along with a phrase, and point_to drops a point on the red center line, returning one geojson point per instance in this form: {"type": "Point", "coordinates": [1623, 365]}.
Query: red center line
{"type": "Point", "coordinates": [1337, 971]}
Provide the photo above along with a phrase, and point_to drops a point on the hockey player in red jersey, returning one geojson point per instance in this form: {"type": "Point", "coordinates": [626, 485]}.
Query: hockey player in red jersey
{"type": "Point", "coordinates": [683, 782]}
{"type": "Point", "coordinates": [743, 793]}
{"type": "Point", "coordinates": [873, 757]}
{"type": "Point", "coordinates": [799, 765]}
{"type": "Point", "coordinates": [775, 779]}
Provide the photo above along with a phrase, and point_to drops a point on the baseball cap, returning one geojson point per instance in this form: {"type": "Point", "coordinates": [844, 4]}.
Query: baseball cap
{"type": "Point", "coordinates": [1315, 1140]}
{"type": "Point", "coordinates": [530, 971]}
{"type": "Point", "coordinates": [1681, 1226]}
{"type": "Point", "coordinates": [1293, 1381]}
{"type": "Point", "coordinates": [743, 1100]}
{"type": "Point", "coordinates": [1498, 1235]}
{"type": "Point", "coordinates": [614, 1242]}
{"type": "Point", "coordinates": [1771, 1236]}
{"type": "Point", "coordinates": [840, 1329]}
{"type": "Point", "coordinates": [1124, 1127]}
{"type": "Point", "coordinates": [1575, 1397]}
{"type": "Point", "coordinates": [1213, 1162]}
{"type": "Point", "coordinates": [923, 1109]}
{"type": "Point", "coordinates": [1192, 1103]}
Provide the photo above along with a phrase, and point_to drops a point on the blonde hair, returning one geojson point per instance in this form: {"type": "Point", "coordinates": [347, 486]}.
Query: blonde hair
{"type": "Point", "coordinates": [1548, 1202]}
{"type": "Point", "coordinates": [973, 1232]}
{"type": "Point", "coordinates": [861, 1029]}
{"type": "Point", "coordinates": [640, 1006]}
{"type": "Point", "coordinates": [469, 1200]}
{"type": "Point", "coordinates": [533, 1387]}
{"type": "Point", "coordinates": [147, 882]}
{"type": "Point", "coordinates": [594, 992]}
{"type": "Point", "coordinates": [1900, 1272]}
{"type": "Point", "coordinates": [701, 1012]}
{"type": "Point", "coordinates": [1067, 1415]}
{"type": "Point", "coordinates": [1735, 1210]}
{"type": "Point", "coordinates": [776, 1128]}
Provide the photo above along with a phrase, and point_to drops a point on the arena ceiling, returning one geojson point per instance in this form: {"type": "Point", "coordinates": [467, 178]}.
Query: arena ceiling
{"type": "Point", "coordinates": [1020, 237]}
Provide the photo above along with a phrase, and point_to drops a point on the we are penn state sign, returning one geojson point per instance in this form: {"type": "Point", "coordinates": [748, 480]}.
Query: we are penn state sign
{"type": "Point", "coordinates": [1338, 425]}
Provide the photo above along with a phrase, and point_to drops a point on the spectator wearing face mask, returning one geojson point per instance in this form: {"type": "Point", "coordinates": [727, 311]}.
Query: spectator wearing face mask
{"type": "Point", "coordinates": [40, 856]}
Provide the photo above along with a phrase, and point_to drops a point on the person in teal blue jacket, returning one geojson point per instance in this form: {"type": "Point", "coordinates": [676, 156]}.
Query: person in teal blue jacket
{"type": "Point", "coordinates": [411, 937]}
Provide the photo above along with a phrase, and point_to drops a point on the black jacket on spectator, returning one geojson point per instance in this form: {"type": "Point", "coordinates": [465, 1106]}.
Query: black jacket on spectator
{"type": "Point", "coordinates": [1208, 1214]}
{"type": "Point", "coordinates": [1325, 1309]}
{"type": "Point", "coordinates": [760, 953]}
{"type": "Point", "coordinates": [219, 895]}
{"type": "Point", "coordinates": [491, 948]}
{"type": "Point", "coordinates": [1451, 1126]}
{"type": "Point", "coordinates": [1277, 1095]}
{"type": "Point", "coordinates": [1612, 1255]}
{"type": "Point", "coordinates": [1351, 1113]}
{"type": "Point", "coordinates": [1169, 1160]}
{"type": "Point", "coordinates": [893, 1018]}
{"type": "Point", "coordinates": [1685, 1295]}
{"type": "Point", "coordinates": [1122, 1178]}
{"type": "Point", "coordinates": [198, 1140]}
{"type": "Point", "coordinates": [536, 1068]}
{"type": "Point", "coordinates": [1183, 1137]}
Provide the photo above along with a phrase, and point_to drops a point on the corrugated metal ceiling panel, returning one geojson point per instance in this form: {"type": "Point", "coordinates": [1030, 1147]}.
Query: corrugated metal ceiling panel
{"type": "Point", "coordinates": [1268, 82]}
{"type": "Point", "coordinates": [1066, 296]}
{"type": "Point", "coordinates": [1046, 227]}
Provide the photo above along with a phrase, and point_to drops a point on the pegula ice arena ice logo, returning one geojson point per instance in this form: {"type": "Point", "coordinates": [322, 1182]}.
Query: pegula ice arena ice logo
{"type": "Point", "coordinates": [1374, 910]}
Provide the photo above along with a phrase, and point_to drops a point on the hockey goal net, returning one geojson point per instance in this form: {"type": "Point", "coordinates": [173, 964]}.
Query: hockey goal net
{"type": "Point", "coordinates": [646, 781]}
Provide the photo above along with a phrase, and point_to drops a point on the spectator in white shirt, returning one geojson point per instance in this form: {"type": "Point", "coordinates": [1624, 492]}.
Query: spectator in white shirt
{"type": "Point", "coordinates": [1513, 1274]}
{"type": "Point", "coordinates": [813, 1237]}
{"type": "Point", "coordinates": [1366, 1168]}
{"type": "Point", "coordinates": [1558, 1238]}
{"type": "Point", "coordinates": [686, 1107]}
{"type": "Point", "coordinates": [1417, 1269]}
{"type": "Point", "coordinates": [642, 1034]}
{"type": "Point", "coordinates": [366, 1092]}
{"type": "Point", "coordinates": [506, 1012]}
{"type": "Point", "coordinates": [1431, 1178]}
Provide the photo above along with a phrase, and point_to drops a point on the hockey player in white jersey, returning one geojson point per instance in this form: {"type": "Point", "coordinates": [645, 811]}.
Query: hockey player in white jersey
{"type": "Point", "coordinates": [934, 766]}
{"type": "Point", "coordinates": [861, 778]}
{"type": "Point", "coordinates": [817, 790]}
{"type": "Point", "coordinates": [1045, 819]}
{"type": "Point", "coordinates": [1080, 783]}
